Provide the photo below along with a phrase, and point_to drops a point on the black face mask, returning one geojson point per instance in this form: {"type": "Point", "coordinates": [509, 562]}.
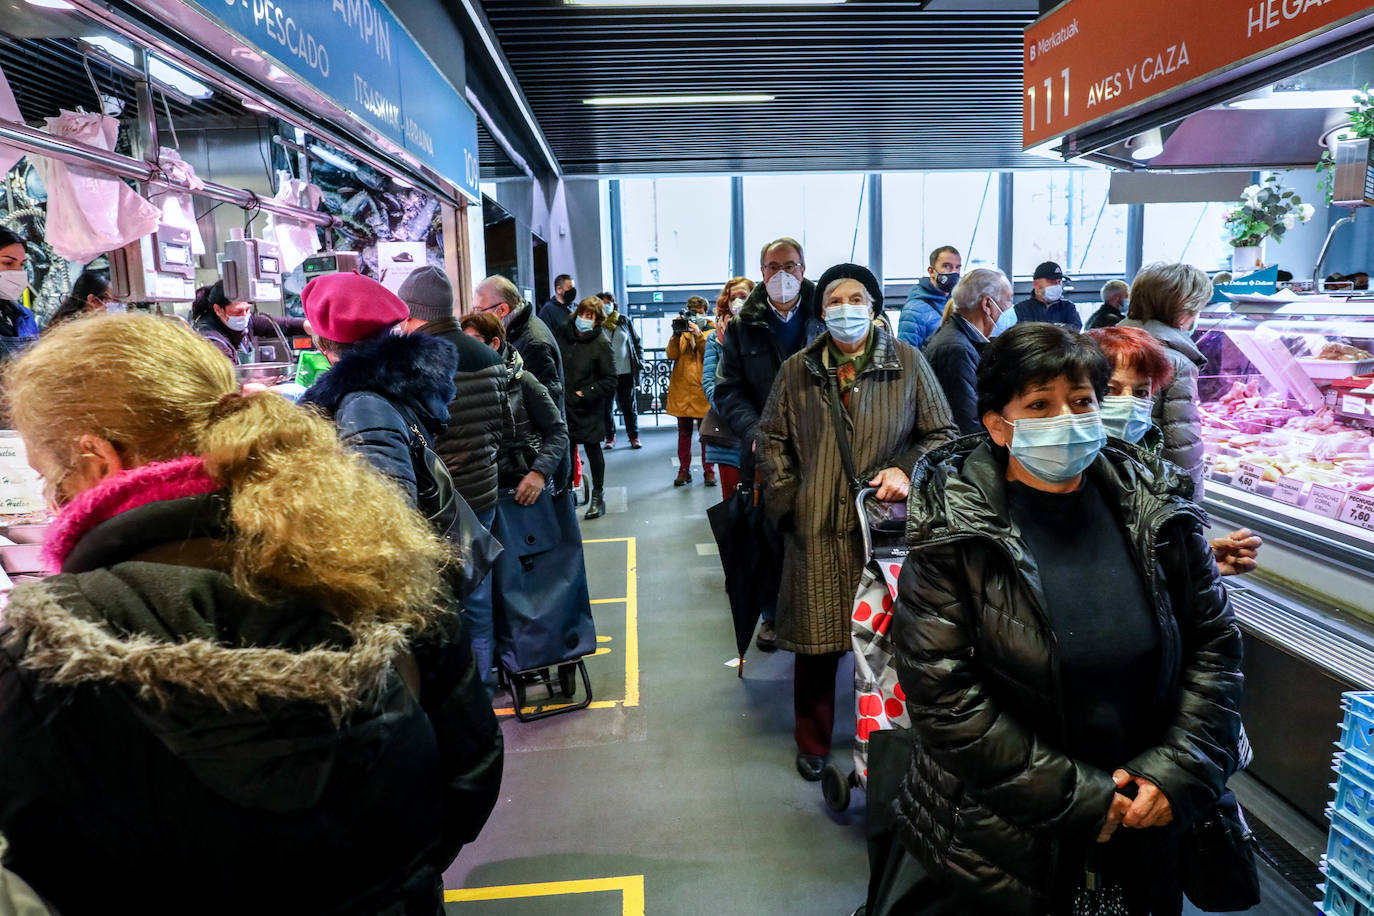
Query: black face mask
{"type": "Point", "coordinates": [570, 295]}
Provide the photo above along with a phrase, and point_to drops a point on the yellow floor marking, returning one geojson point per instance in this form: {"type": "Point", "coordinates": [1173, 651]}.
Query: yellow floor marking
{"type": "Point", "coordinates": [631, 601]}
{"type": "Point", "coordinates": [631, 888]}
{"type": "Point", "coordinates": [603, 639]}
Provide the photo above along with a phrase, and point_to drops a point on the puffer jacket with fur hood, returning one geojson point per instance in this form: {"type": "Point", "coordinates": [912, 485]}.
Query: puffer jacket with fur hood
{"type": "Point", "coordinates": [989, 799]}
{"type": "Point", "coordinates": [1176, 404]}
{"type": "Point", "coordinates": [195, 750]}
{"type": "Point", "coordinates": [383, 391]}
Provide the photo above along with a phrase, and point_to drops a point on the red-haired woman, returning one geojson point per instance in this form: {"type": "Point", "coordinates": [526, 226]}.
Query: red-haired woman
{"type": "Point", "coordinates": [1140, 368]}
{"type": "Point", "coordinates": [728, 304]}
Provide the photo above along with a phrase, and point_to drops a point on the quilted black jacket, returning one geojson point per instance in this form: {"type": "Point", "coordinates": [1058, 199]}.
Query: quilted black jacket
{"type": "Point", "coordinates": [476, 416]}
{"type": "Point", "coordinates": [989, 796]}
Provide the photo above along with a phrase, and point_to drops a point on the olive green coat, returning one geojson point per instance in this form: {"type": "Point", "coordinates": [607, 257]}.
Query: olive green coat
{"type": "Point", "coordinates": [896, 413]}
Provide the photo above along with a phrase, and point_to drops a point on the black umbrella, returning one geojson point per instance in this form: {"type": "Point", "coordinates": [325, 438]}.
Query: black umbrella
{"type": "Point", "coordinates": [1094, 898]}
{"type": "Point", "coordinates": [751, 556]}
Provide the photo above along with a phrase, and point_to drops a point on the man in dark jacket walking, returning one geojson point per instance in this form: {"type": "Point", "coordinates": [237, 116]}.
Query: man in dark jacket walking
{"type": "Point", "coordinates": [776, 321]}
{"type": "Point", "coordinates": [470, 443]}
{"type": "Point", "coordinates": [532, 340]}
{"type": "Point", "coordinates": [953, 352]}
{"type": "Point", "coordinates": [558, 310]}
{"type": "Point", "coordinates": [1047, 302]}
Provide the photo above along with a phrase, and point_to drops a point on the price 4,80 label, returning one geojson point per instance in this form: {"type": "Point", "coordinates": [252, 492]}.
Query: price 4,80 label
{"type": "Point", "coordinates": [1359, 510]}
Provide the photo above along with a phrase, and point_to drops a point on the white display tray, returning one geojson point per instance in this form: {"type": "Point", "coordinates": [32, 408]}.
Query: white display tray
{"type": "Point", "coordinates": [1335, 368]}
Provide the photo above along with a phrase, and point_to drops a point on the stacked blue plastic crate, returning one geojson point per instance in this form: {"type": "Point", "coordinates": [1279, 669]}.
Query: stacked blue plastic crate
{"type": "Point", "coordinates": [1349, 860]}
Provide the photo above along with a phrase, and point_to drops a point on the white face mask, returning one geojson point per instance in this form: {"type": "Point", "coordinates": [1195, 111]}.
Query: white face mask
{"type": "Point", "coordinates": [237, 322]}
{"type": "Point", "coordinates": [1054, 293]}
{"type": "Point", "coordinates": [736, 305]}
{"type": "Point", "coordinates": [783, 287]}
{"type": "Point", "coordinates": [13, 283]}
{"type": "Point", "coordinates": [848, 324]}
{"type": "Point", "coordinates": [115, 308]}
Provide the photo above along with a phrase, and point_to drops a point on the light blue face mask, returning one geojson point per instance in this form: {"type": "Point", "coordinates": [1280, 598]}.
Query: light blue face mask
{"type": "Point", "coordinates": [848, 324]}
{"type": "Point", "coordinates": [1057, 449]}
{"type": "Point", "coordinates": [584, 324]}
{"type": "Point", "coordinates": [1127, 417]}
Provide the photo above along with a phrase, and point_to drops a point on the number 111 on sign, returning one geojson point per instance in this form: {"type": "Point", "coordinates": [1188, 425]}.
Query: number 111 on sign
{"type": "Point", "coordinates": [1049, 98]}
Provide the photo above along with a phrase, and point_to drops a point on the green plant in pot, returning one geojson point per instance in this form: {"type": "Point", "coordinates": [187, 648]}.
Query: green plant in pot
{"type": "Point", "coordinates": [1265, 211]}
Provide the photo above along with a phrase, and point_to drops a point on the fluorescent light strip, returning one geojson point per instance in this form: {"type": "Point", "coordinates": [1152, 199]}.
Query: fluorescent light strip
{"type": "Point", "coordinates": [1297, 99]}
{"type": "Point", "coordinates": [158, 69]}
{"type": "Point", "coordinates": [614, 3]}
{"type": "Point", "coordinates": [676, 99]}
{"type": "Point", "coordinates": [333, 158]}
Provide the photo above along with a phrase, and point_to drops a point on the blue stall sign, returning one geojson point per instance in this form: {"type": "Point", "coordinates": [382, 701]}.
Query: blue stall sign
{"type": "Point", "coordinates": [359, 54]}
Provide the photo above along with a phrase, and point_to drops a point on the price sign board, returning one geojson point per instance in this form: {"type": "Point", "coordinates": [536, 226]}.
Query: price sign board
{"type": "Point", "coordinates": [1305, 442]}
{"type": "Point", "coordinates": [1359, 510]}
{"type": "Point", "coordinates": [1355, 406]}
{"type": "Point", "coordinates": [1089, 60]}
{"type": "Point", "coordinates": [1249, 477]}
{"type": "Point", "coordinates": [1325, 501]}
{"type": "Point", "coordinates": [1289, 491]}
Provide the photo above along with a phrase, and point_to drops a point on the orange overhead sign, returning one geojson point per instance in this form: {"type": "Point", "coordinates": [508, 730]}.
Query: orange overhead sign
{"type": "Point", "coordinates": [1092, 58]}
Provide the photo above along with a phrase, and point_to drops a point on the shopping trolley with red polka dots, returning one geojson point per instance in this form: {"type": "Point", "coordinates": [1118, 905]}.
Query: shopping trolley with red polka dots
{"type": "Point", "coordinates": [879, 700]}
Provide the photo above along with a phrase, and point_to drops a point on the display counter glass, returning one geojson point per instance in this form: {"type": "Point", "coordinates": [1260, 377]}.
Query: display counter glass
{"type": "Point", "coordinates": [1287, 407]}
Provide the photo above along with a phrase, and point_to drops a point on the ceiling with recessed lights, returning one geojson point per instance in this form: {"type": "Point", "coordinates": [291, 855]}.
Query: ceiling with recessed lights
{"type": "Point", "coordinates": [876, 85]}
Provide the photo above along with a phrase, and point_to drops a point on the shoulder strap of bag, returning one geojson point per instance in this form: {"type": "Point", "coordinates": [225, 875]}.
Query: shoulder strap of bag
{"type": "Point", "coordinates": [832, 393]}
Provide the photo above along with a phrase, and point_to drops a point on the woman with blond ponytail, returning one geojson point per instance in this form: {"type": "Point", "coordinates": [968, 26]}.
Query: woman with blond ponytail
{"type": "Point", "coordinates": [244, 686]}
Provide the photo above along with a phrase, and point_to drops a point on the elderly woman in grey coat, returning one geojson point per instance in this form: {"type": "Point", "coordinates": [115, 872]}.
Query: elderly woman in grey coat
{"type": "Point", "coordinates": [893, 411]}
{"type": "Point", "coordinates": [1165, 302]}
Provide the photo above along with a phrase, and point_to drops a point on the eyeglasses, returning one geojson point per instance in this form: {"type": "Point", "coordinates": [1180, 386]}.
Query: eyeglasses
{"type": "Point", "coordinates": [491, 308]}
{"type": "Point", "coordinates": [788, 266]}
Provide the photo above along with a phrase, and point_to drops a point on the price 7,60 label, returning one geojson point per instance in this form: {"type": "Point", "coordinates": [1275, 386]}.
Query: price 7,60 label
{"type": "Point", "coordinates": [1359, 510]}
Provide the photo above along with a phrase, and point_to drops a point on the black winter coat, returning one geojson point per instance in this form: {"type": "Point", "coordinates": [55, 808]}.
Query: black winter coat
{"type": "Point", "coordinates": [588, 367]}
{"type": "Point", "coordinates": [537, 438]}
{"type": "Point", "coordinates": [240, 346]}
{"type": "Point", "coordinates": [954, 353]}
{"type": "Point", "coordinates": [150, 736]}
{"type": "Point", "coordinates": [381, 389]}
{"type": "Point", "coordinates": [538, 348]}
{"type": "Point", "coordinates": [749, 362]}
{"type": "Point", "coordinates": [476, 416]}
{"type": "Point", "coordinates": [990, 798]}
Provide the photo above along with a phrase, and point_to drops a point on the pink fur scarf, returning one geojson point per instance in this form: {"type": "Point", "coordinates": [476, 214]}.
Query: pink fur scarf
{"type": "Point", "coordinates": [161, 480]}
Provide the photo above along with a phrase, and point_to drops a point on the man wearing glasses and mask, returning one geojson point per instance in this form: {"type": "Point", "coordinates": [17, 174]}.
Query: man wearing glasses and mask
{"type": "Point", "coordinates": [776, 321]}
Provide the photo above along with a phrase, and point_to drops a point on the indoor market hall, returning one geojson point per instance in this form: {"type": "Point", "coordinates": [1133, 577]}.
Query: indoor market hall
{"type": "Point", "coordinates": [723, 457]}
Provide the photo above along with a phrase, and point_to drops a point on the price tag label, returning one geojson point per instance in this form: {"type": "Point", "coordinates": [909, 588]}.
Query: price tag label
{"type": "Point", "coordinates": [1351, 404]}
{"type": "Point", "coordinates": [1359, 510]}
{"type": "Point", "coordinates": [1325, 501]}
{"type": "Point", "coordinates": [1305, 442]}
{"type": "Point", "coordinates": [1249, 477]}
{"type": "Point", "coordinates": [1289, 491]}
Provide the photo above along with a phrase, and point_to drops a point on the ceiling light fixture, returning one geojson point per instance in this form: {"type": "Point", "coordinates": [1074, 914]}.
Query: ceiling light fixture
{"type": "Point", "coordinates": [256, 106]}
{"type": "Point", "coordinates": [614, 3]}
{"type": "Point", "coordinates": [1296, 99]}
{"type": "Point", "coordinates": [158, 69]}
{"type": "Point", "coordinates": [401, 182]}
{"type": "Point", "coordinates": [51, 4]}
{"type": "Point", "coordinates": [333, 158]}
{"type": "Point", "coordinates": [1147, 145]}
{"type": "Point", "coordinates": [719, 99]}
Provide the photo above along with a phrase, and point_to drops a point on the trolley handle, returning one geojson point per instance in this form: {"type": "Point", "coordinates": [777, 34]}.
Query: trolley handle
{"type": "Point", "coordinates": [859, 499]}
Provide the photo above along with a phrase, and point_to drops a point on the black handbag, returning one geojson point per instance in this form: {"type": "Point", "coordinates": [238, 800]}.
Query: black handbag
{"type": "Point", "coordinates": [1217, 860]}
{"type": "Point", "coordinates": [715, 432]}
{"type": "Point", "coordinates": [450, 515]}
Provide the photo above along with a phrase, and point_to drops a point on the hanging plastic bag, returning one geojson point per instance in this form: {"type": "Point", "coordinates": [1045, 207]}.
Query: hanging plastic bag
{"type": "Point", "coordinates": [297, 240]}
{"type": "Point", "coordinates": [177, 209]}
{"type": "Point", "coordinates": [9, 110]}
{"type": "Point", "coordinates": [89, 211]}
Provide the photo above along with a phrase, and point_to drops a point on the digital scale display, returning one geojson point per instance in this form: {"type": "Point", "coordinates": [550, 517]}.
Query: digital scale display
{"type": "Point", "coordinates": [176, 254]}
{"type": "Point", "coordinates": [268, 265]}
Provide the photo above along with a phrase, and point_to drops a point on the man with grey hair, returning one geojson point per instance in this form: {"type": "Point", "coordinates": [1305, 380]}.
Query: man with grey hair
{"type": "Point", "coordinates": [981, 297]}
{"type": "Point", "coordinates": [776, 321]}
{"type": "Point", "coordinates": [1115, 295]}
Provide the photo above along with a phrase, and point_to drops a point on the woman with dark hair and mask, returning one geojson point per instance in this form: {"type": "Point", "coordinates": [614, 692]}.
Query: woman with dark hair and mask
{"type": "Point", "coordinates": [16, 321]}
{"type": "Point", "coordinates": [1069, 656]}
{"type": "Point", "coordinates": [234, 327]}
{"type": "Point", "coordinates": [89, 296]}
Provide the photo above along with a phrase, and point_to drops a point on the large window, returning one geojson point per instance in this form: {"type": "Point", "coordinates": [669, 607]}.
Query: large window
{"type": "Point", "coordinates": [1187, 233]}
{"type": "Point", "coordinates": [1063, 216]}
{"type": "Point", "coordinates": [676, 230]}
{"type": "Point", "coordinates": [923, 211]}
{"type": "Point", "coordinates": [828, 214]}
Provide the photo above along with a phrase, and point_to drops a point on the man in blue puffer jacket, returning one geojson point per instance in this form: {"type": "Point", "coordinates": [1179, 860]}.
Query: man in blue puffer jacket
{"type": "Point", "coordinates": [925, 304]}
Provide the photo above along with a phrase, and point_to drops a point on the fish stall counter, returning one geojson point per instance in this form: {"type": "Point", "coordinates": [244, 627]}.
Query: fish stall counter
{"type": "Point", "coordinates": [1286, 400]}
